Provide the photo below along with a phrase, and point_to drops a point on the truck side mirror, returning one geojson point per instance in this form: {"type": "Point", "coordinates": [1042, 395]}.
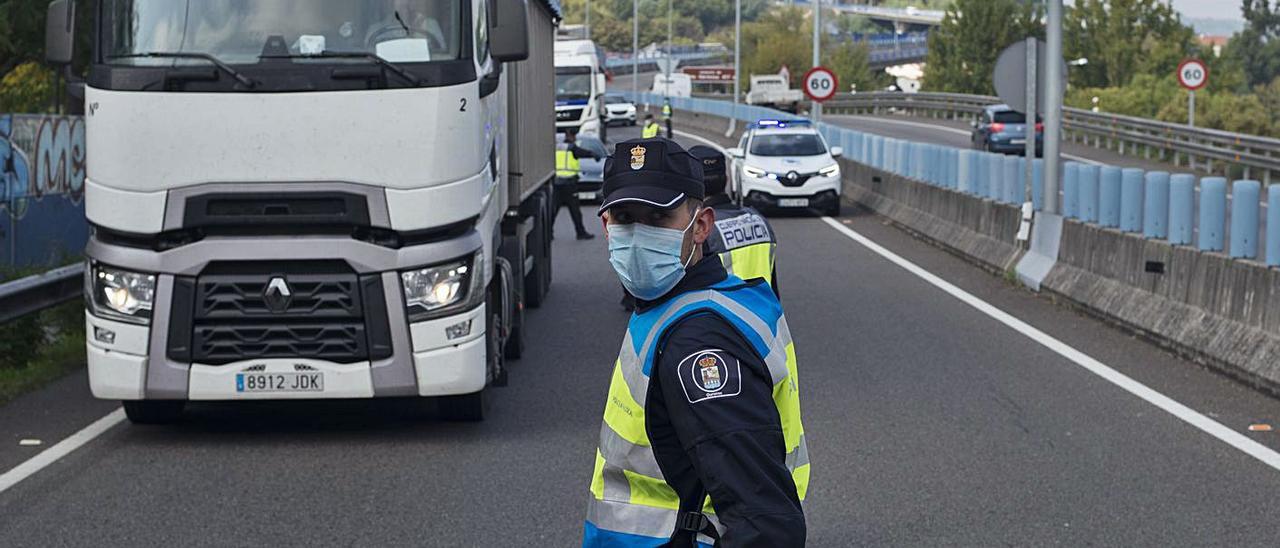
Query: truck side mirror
{"type": "Point", "coordinates": [60, 32]}
{"type": "Point", "coordinates": [509, 30]}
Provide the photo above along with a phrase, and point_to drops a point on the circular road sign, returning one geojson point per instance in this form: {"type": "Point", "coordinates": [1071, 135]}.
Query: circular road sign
{"type": "Point", "coordinates": [1193, 74]}
{"type": "Point", "coordinates": [820, 84]}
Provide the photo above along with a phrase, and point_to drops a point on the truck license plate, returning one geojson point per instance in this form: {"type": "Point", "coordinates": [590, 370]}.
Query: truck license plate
{"type": "Point", "coordinates": [793, 202]}
{"type": "Point", "coordinates": [280, 382]}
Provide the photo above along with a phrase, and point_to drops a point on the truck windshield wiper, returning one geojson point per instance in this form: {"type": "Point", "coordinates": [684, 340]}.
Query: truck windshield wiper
{"type": "Point", "coordinates": [397, 69]}
{"type": "Point", "coordinates": [239, 77]}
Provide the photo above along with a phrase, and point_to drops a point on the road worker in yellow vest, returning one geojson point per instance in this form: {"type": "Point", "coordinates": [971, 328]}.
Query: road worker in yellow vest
{"type": "Point", "coordinates": [742, 238]}
{"type": "Point", "coordinates": [666, 116]}
{"type": "Point", "coordinates": [702, 442]}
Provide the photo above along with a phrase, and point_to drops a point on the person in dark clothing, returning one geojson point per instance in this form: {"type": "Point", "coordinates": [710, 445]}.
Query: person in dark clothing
{"type": "Point", "coordinates": [704, 401]}
{"type": "Point", "coordinates": [566, 183]}
{"type": "Point", "coordinates": [743, 239]}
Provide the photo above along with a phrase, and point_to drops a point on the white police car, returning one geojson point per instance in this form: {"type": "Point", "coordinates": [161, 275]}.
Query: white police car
{"type": "Point", "coordinates": [786, 164]}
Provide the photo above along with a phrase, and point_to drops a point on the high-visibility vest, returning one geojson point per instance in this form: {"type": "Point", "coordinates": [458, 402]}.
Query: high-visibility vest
{"type": "Point", "coordinates": [666, 110]}
{"type": "Point", "coordinates": [631, 503]}
{"type": "Point", "coordinates": [745, 243]}
{"type": "Point", "coordinates": [566, 163]}
{"type": "Point", "coordinates": [650, 130]}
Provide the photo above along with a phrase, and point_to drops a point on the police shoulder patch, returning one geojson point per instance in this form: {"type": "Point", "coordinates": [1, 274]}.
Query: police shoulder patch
{"type": "Point", "coordinates": [743, 230]}
{"type": "Point", "coordinates": [710, 374]}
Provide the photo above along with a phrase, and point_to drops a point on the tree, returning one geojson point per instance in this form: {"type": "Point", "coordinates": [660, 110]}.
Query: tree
{"type": "Point", "coordinates": [851, 62]}
{"type": "Point", "coordinates": [963, 50]}
{"type": "Point", "coordinates": [1124, 38]}
{"type": "Point", "coordinates": [1257, 47]}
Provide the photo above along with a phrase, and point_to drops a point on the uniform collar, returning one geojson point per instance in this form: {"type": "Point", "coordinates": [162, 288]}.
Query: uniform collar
{"type": "Point", "coordinates": [706, 273]}
{"type": "Point", "coordinates": [717, 200]}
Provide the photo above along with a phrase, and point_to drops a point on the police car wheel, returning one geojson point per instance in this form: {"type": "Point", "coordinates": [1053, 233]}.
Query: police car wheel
{"type": "Point", "coordinates": [154, 412]}
{"type": "Point", "coordinates": [833, 210]}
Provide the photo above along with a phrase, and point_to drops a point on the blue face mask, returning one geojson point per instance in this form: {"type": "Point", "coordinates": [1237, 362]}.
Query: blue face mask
{"type": "Point", "coordinates": [647, 258]}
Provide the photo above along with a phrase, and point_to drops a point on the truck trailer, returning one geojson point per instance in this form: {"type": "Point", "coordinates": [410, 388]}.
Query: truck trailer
{"type": "Point", "coordinates": [313, 199]}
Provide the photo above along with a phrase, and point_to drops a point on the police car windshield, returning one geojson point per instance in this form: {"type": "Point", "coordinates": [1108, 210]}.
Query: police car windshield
{"type": "Point", "coordinates": [787, 144]}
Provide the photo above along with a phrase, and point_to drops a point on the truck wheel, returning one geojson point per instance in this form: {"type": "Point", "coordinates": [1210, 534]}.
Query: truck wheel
{"type": "Point", "coordinates": [514, 348]}
{"type": "Point", "coordinates": [535, 282]}
{"type": "Point", "coordinates": [154, 411]}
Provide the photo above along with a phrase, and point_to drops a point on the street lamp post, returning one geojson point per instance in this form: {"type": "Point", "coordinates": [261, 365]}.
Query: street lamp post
{"type": "Point", "coordinates": [737, 65]}
{"type": "Point", "coordinates": [587, 24]}
{"type": "Point", "coordinates": [817, 50]}
{"type": "Point", "coordinates": [635, 47]}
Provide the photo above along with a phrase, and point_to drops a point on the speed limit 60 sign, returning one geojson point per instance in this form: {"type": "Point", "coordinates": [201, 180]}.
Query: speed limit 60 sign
{"type": "Point", "coordinates": [820, 84]}
{"type": "Point", "coordinates": [1193, 74]}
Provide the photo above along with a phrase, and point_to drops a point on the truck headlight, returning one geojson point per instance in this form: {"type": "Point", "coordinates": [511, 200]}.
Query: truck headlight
{"type": "Point", "coordinates": [753, 171]}
{"type": "Point", "coordinates": [832, 170]}
{"type": "Point", "coordinates": [119, 294]}
{"type": "Point", "coordinates": [438, 290]}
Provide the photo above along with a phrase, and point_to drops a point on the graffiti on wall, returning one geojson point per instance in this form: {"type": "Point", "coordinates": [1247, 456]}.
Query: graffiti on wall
{"type": "Point", "coordinates": [40, 157]}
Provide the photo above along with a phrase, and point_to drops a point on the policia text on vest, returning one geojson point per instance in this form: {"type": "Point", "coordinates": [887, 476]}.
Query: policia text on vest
{"type": "Point", "coordinates": [706, 358]}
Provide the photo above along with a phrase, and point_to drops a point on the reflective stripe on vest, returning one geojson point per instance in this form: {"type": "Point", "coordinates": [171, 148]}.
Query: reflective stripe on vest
{"type": "Point", "coordinates": [750, 262]}
{"type": "Point", "coordinates": [650, 130]}
{"type": "Point", "coordinates": [631, 503]}
{"type": "Point", "coordinates": [566, 163]}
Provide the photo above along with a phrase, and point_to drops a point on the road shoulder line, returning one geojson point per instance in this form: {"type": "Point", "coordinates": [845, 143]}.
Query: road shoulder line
{"type": "Point", "coordinates": [63, 448]}
{"type": "Point", "coordinates": [1126, 383]}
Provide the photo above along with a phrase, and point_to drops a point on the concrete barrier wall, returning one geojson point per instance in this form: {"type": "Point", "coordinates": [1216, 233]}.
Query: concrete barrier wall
{"type": "Point", "coordinates": [1214, 309]}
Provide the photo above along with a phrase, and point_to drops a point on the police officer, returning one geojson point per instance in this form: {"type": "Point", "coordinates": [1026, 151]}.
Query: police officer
{"type": "Point", "coordinates": [650, 129]}
{"type": "Point", "coordinates": [744, 240]}
{"type": "Point", "coordinates": [702, 439]}
{"type": "Point", "coordinates": [565, 186]}
{"type": "Point", "coordinates": [666, 116]}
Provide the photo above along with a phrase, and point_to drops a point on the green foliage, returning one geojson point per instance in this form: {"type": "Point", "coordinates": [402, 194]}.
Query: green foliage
{"type": "Point", "coordinates": [963, 50]}
{"type": "Point", "coordinates": [55, 346]}
{"type": "Point", "coordinates": [1124, 38]}
{"type": "Point", "coordinates": [611, 23]}
{"type": "Point", "coordinates": [1257, 47]}
{"type": "Point", "coordinates": [21, 32]}
{"type": "Point", "coordinates": [27, 88]}
{"type": "Point", "coordinates": [1161, 98]}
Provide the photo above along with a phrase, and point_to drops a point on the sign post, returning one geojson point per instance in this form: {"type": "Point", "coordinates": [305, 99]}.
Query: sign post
{"type": "Point", "coordinates": [1193, 74]}
{"type": "Point", "coordinates": [820, 84]}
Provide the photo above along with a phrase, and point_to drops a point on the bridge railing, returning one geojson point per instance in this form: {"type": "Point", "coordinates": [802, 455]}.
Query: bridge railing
{"type": "Point", "coordinates": [1155, 204]}
{"type": "Point", "coordinates": [1208, 150]}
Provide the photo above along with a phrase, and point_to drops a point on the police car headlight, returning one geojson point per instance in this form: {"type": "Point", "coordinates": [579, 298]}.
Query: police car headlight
{"type": "Point", "coordinates": [119, 294]}
{"type": "Point", "coordinates": [439, 290]}
{"type": "Point", "coordinates": [832, 170]}
{"type": "Point", "coordinates": [753, 171]}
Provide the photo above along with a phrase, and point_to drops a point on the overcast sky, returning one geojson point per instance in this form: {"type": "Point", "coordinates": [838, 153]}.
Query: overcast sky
{"type": "Point", "coordinates": [1209, 9]}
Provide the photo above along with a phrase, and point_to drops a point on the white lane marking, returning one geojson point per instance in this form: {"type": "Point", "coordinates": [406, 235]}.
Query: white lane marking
{"type": "Point", "coordinates": [61, 449]}
{"type": "Point", "coordinates": [952, 130]}
{"type": "Point", "coordinates": [1182, 412]}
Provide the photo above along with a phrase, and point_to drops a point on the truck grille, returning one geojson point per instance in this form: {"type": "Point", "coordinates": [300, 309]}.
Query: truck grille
{"type": "Point", "coordinates": [569, 115]}
{"type": "Point", "coordinates": [243, 311]}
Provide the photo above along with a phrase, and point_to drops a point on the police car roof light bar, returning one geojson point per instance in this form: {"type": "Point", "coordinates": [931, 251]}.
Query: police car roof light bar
{"type": "Point", "coordinates": [762, 124]}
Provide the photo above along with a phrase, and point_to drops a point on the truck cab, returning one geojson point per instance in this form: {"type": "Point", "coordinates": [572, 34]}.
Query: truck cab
{"type": "Point", "coordinates": [304, 199]}
{"type": "Point", "coordinates": [580, 86]}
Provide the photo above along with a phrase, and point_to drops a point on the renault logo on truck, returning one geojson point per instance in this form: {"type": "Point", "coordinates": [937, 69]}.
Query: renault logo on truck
{"type": "Point", "coordinates": [277, 295]}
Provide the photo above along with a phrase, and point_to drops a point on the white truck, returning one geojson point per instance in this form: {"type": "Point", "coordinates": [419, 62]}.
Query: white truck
{"type": "Point", "coordinates": [773, 90]}
{"type": "Point", "coordinates": [580, 86]}
{"type": "Point", "coordinates": [303, 199]}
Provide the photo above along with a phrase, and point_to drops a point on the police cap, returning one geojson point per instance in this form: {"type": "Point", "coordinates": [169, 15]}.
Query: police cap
{"type": "Point", "coordinates": [713, 173]}
{"type": "Point", "coordinates": [656, 172]}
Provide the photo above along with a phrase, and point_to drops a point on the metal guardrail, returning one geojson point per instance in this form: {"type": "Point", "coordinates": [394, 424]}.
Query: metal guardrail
{"type": "Point", "coordinates": [1209, 150]}
{"type": "Point", "coordinates": [35, 293]}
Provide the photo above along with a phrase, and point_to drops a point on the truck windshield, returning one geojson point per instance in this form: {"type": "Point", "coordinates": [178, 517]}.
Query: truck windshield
{"type": "Point", "coordinates": [787, 144]}
{"type": "Point", "coordinates": [242, 31]}
{"type": "Point", "coordinates": [573, 83]}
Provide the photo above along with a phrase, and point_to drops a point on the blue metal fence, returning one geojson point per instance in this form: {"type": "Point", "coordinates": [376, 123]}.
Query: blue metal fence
{"type": "Point", "coordinates": [1154, 204]}
{"type": "Point", "coordinates": [42, 173]}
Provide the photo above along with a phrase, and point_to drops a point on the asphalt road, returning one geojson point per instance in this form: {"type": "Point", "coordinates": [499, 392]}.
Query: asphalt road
{"type": "Point", "coordinates": [929, 422]}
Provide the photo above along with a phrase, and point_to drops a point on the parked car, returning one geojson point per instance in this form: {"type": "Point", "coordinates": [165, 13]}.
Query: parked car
{"type": "Point", "coordinates": [1001, 129]}
{"type": "Point", "coordinates": [617, 109]}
